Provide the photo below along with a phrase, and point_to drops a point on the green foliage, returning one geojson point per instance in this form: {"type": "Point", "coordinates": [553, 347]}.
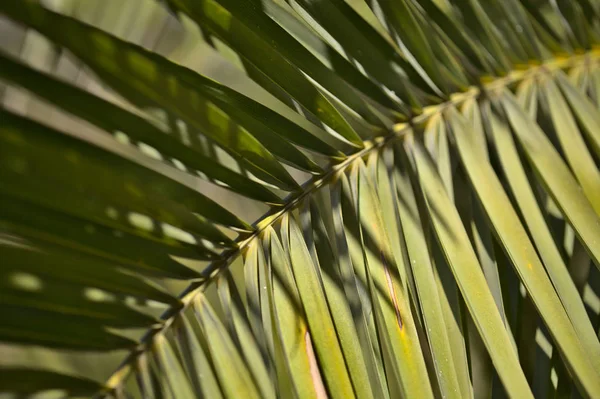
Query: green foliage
{"type": "Point", "coordinates": [432, 175]}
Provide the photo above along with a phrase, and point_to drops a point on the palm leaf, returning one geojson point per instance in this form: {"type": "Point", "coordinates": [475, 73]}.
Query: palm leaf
{"type": "Point", "coordinates": [441, 161]}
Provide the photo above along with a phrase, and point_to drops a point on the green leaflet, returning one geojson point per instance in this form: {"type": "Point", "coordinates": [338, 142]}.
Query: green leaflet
{"type": "Point", "coordinates": [196, 361]}
{"type": "Point", "coordinates": [252, 14]}
{"type": "Point", "coordinates": [356, 36]}
{"type": "Point", "coordinates": [481, 233]}
{"type": "Point", "coordinates": [53, 161]}
{"type": "Point", "coordinates": [145, 77]}
{"type": "Point", "coordinates": [296, 341]}
{"type": "Point", "coordinates": [173, 380]}
{"type": "Point", "coordinates": [571, 141]}
{"type": "Point", "coordinates": [327, 267]}
{"type": "Point", "coordinates": [225, 356]}
{"type": "Point", "coordinates": [237, 34]}
{"type": "Point", "coordinates": [318, 316]}
{"type": "Point", "coordinates": [144, 377]}
{"type": "Point", "coordinates": [422, 269]}
{"type": "Point", "coordinates": [351, 264]}
{"type": "Point", "coordinates": [584, 110]}
{"type": "Point", "coordinates": [574, 22]}
{"type": "Point", "coordinates": [469, 277]}
{"type": "Point", "coordinates": [541, 235]}
{"type": "Point", "coordinates": [384, 280]}
{"type": "Point", "coordinates": [25, 325]}
{"type": "Point", "coordinates": [47, 261]}
{"type": "Point", "coordinates": [322, 50]}
{"type": "Point", "coordinates": [378, 165]}
{"type": "Point", "coordinates": [544, 30]}
{"type": "Point", "coordinates": [252, 285]}
{"type": "Point", "coordinates": [522, 254]}
{"type": "Point", "coordinates": [393, 315]}
{"type": "Point", "coordinates": [482, 27]}
{"type": "Point", "coordinates": [460, 36]}
{"type": "Point", "coordinates": [371, 338]}
{"type": "Point", "coordinates": [556, 177]}
{"type": "Point", "coordinates": [236, 316]}
{"type": "Point", "coordinates": [20, 286]}
{"type": "Point", "coordinates": [114, 242]}
{"type": "Point", "coordinates": [517, 17]}
{"type": "Point", "coordinates": [29, 381]}
{"type": "Point", "coordinates": [401, 16]}
{"type": "Point", "coordinates": [85, 105]}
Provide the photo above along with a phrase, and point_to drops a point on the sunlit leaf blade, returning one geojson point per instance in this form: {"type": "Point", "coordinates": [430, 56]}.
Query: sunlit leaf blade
{"type": "Point", "coordinates": [520, 22]}
{"type": "Point", "coordinates": [480, 362]}
{"type": "Point", "coordinates": [174, 382]}
{"type": "Point", "coordinates": [371, 339]}
{"type": "Point", "coordinates": [25, 325]}
{"type": "Point", "coordinates": [395, 319]}
{"type": "Point", "coordinates": [224, 354]}
{"type": "Point", "coordinates": [144, 377]}
{"type": "Point", "coordinates": [45, 261]}
{"type": "Point", "coordinates": [584, 109]}
{"type": "Point", "coordinates": [290, 324]}
{"type": "Point", "coordinates": [459, 36]}
{"type": "Point", "coordinates": [574, 22]}
{"type": "Point", "coordinates": [237, 34]}
{"type": "Point", "coordinates": [572, 143]}
{"type": "Point", "coordinates": [541, 235]}
{"type": "Point", "coordinates": [274, 339]}
{"type": "Point", "coordinates": [469, 277]}
{"type": "Point", "coordinates": [455, 67]}
{"type": "Point", "coordinates": [344, 68]}
{"type": "Point", "coordinates": [378, 164]}
{"type": "Point", "coordinates": [94, 109]}
{"type": "Point", "coordinates": [523, 256]}
{"type": "Point", "coordinates": [420, 263]}
{"type": "Point", "coordinates": [19, 287]}
{"type": "Point", "coordinates": [340, 198]}
{"type": "Point", "coordinates": [595, 91]}
{"type": "Point", "coordinates": [318, 243]}
{"type": "Point", "coordinates": [53, 159]}
{"type": "Point", "coordinates": [356, 36]}
{"type": "Point", "coordinates": [435, 138]}
{"type": "Point", "coordinates": [254, 115]}
{"type": "Point", "coordinates": [481, 233]}
{"type": "Point", "coordinates": [556, 177]}
{"type": "Point", "coordinates": [143, 76]}
{"type": "Point", "coordinates": [402, 18]}
{"type": "Point", "coordinates": [483, 28]}
{"type": "Point", "coordinates": [457, 342]}
{"type": "Point", "coordinates": [283, 43]}
{"type": "Point", "coordinates": [235, 314]}
{"type": "Point", "coordinates": [253, 303]}
{"type": "Point", "coordinates": [25, 381]}
{"type": "Point", "coordinates": [196, 362]}
{"type": "Point", "coordinates": [317, 312]}
{"type": "Point", "coordinates": [527, 318]}
{"type": "Point", "coordinates": [138, 252]}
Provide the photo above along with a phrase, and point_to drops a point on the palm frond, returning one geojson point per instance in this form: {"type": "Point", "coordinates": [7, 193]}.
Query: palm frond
{"type": "Point", "coordinates": [431, 174]}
